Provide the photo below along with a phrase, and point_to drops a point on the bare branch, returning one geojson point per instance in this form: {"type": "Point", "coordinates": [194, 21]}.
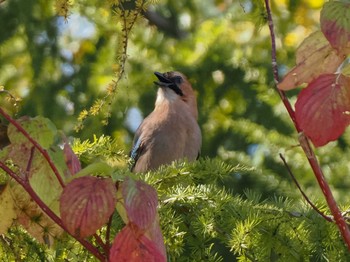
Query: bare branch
{"type": "Point", "coordinates": [329, 219]}
{"type": "Point", "coordinates": [164, 24]}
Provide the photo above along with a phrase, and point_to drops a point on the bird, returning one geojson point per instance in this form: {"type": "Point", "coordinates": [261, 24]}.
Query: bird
{"type": "Point", "coordinates": [171, 131]}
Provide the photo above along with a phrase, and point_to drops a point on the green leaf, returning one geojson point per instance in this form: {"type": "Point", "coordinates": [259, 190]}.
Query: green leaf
{"type": "Point", "coordinates": [44, 181]}
{"type": "Point", "coordinates": [31, 217]}
{"type": "Point", "coordinates": [7, 209]}
{"type": "Point", "coordinates": [39, 128]}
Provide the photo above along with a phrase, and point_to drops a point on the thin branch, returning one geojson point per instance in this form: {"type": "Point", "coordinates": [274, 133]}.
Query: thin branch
{"type": "Point", "coordinates": [108, 230]}
{"type": "Point", "coordinates": [281, 93]}
{"type": "Point", "coordinates": [49, 212]}
{"type": "Point", "coordinates": [302, 192]}
{"type": "Point", "coordinates": [167, 25]}
{"type": "Point", "coordinates": [304, 142]}
{"type": "Point", "coordinates": [101, 243]}
{"type": "Point", "coordinates": [36, 145]}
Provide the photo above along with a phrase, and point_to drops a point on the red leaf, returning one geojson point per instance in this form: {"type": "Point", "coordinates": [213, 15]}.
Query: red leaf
{"type": "Point", "coordinates": [154, 233]}
{"type": "Point", "coordinates": [322, 109]}
{"type": "Point", "coordinates": [71, 159]}
{"type": "Point", "coordinates": [86, 204]}
{"type": "Point", "coordinates": [335, 25]}
{"type": "Point", "coordinates": [140, 201]}
{"type": "Point", "coordinates": [130, 246]}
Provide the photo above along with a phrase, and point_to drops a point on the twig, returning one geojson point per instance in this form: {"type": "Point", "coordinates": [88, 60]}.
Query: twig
{"type": "Point", "coordinates": [27, 187]}
{"type": "Point", "coordinates": [281, 93]}
{"type": "Point", "coordinates": [108, 234]}
{"type": "Point", "coordinates": [304, 142]}
{"type": "Point", "coordinates": [101, 243]}
{"type": "Point", "coordinates": [36, 145]}
{"type": "Point", "coordinates": [108, 230]}
{"type": "Point", "coordinates": [302, 192]}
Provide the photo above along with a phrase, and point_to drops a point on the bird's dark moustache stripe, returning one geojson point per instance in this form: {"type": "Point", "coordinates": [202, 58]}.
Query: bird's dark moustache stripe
{"type": "Point", "coordinates": [166, 82]}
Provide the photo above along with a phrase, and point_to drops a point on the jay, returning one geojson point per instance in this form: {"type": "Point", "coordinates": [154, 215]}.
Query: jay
{"type": "Point", "coordinates": [171, 131]}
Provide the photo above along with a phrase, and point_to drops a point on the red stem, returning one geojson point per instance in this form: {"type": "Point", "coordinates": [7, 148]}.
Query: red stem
{"type": "Point", "coordinates": [25, 184]}
{"type": "Point", "coordinates": [36, 145]}
{"type": "Point", "coordinates": [101, 243]}
{"type": "Point", "coordinates": [108, 233]}
{"type": "Point", "coordinates": [304, 142]}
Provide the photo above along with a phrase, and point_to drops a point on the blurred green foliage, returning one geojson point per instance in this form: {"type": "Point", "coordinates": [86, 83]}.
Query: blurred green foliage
{"type": "Point", "coordinates": [59, 68]}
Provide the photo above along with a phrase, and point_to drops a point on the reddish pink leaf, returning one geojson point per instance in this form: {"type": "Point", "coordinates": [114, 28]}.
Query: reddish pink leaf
{"type": "Point", "coordinates": [322, 109]}
{"type": "Point", "coordinates": [130, 246]}
{"type": "Point", "coordinates": [71, 159]}
{"type": "Point", "coordinates": [335, 25]}
{"type": "Point", "coordinates": [154, 233]}
{"type": "Point", "coordinates": [86, 204]}
{"type": "Point", "coordinates": [140, 201]}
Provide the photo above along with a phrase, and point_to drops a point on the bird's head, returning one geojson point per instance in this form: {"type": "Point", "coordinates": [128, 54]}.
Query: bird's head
{"type": "Point", "coordinates": [174, 86]}
{"type": "Point", "coordinates": [172, 80]}
{"type": "Point", "coordinates": [176, 82]}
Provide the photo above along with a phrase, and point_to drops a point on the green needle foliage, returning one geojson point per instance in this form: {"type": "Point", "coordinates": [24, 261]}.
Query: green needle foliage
{"type": "Point", "coordinates": [208, 221]}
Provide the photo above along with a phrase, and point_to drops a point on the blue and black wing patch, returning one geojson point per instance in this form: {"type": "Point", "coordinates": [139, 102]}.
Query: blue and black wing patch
{"type": "Point", "coordinates": [135, 152]}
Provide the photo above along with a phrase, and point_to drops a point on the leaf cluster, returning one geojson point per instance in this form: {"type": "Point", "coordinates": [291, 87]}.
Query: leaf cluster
{"type": "Point", "coordinates": [50, 195]}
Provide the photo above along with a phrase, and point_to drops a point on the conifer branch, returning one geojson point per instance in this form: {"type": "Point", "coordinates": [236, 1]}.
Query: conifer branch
{"type": "Point", "coordinates": [304, 142]}
{"type": "Point", "coordinates": [128, 19]}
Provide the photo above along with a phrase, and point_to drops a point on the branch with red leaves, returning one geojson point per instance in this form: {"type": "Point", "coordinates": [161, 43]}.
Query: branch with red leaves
{"type": "Point", "coordinates": [26, 185]}
{"type": "Point", "coordinates": [297, 77]}
{"type": "Point", "coordinates": [86, 202]}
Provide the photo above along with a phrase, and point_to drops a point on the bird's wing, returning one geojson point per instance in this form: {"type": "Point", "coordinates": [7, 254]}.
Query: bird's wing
{"type": "Point", "coordinates": [136, 151]}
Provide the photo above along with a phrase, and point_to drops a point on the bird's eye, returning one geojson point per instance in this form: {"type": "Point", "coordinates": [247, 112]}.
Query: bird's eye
{"type": "Point", "coordinates": [177, 79]}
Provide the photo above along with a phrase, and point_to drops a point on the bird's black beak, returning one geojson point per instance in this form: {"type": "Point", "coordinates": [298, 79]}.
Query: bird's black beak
{"type": "Point", "coordinates": [165, 81]}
